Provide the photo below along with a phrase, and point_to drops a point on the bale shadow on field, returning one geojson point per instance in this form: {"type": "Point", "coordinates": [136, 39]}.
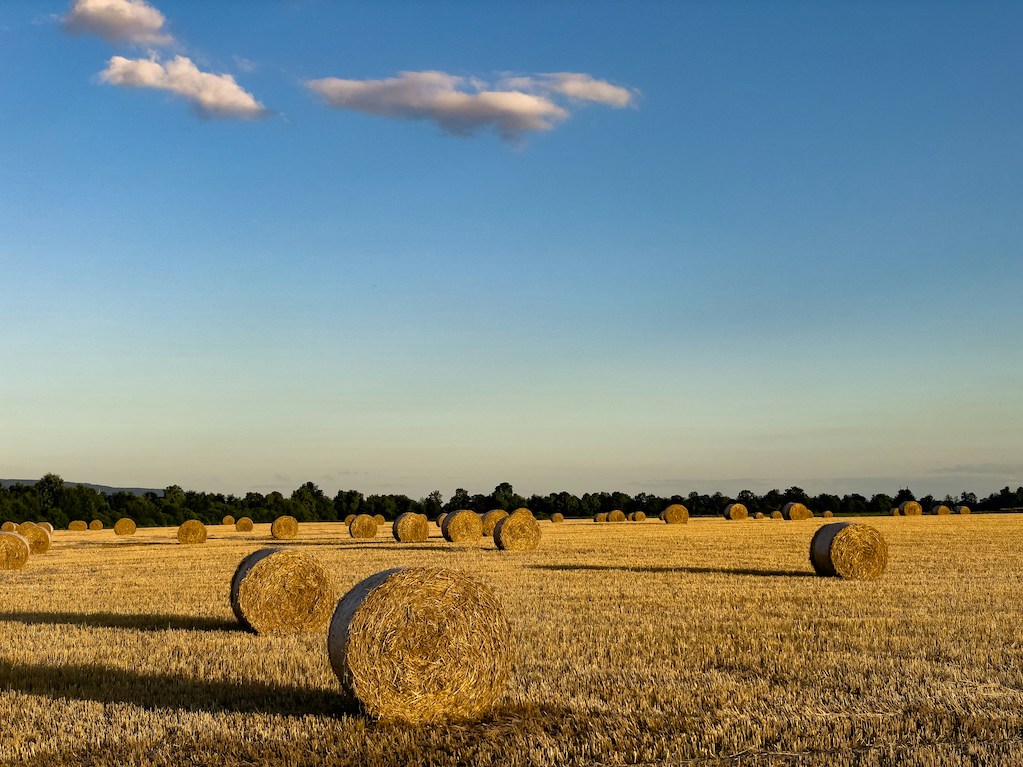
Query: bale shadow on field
{"type": "Point", "coordinates": [139, 622]}
{"type": "Point", "coordinates": [692, 570]}
{"type": "Point", "coordinates": [104, 684]}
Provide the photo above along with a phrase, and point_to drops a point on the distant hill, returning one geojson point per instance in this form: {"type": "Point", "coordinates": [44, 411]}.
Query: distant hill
{"type": "Point", "coordinates": [99, 488]}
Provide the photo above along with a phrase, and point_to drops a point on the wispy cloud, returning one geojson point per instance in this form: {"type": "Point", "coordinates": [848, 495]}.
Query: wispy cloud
{"type": "Point", "coordinates": [217, 96]}
{"type": "Point", "coordinates": [463, 106]}
{"type": "Point", "coordinates": [133, 21]}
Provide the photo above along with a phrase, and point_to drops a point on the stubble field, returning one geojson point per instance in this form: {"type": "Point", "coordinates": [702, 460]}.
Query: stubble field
{"type": "Point", "coordinates": [634, 643]}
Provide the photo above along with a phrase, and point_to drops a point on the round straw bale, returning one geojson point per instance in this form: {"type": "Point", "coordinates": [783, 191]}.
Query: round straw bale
{"type": "Point", "coordinates": [600, 517]}
{"type": "Point", "coordinates": [794, 510]}
{"type": "Point", "coordinates": [421, 645]}
{"type": "Point", "coordinates": [243, 525]}
{"type": "Point", "coordinates": [78, 524]}
{"type": "Point", "coordinates": [363, 526]}
{"type": "Point", "coordinates": [462, 527]}
{"type": "Point", "coordinates": [411, 528]}
{"type": "Point", "coordinates": [557, 517]}
{"type": "Point", "coordinates": [517, 533]}
{"type": "Point", "coordinates": [776, 514]}
{"type": "Point", "coordinates": [490, 520]}
{"type": "Point", "coordinates": [940, 509]}
{"type": "Point", "coordinates": [8, 527]}
{"type": "Point", "coordinates": [440, 518]}
{"type": "Point", "coordinates": [848, 550]}
{"type": "Point", "coordinates": [638, 516]}
{"type": "Point", "coordinates": [124, 526]}
{"type": "Point", "coordinates": [911, 509]}
{"type": "Point", "coordinates": [282, 591]}
{"type": "Point", "coordinates": [38, 537]}
{"type": "Point", "coordinates": [522, 510]}
{"type": "Point", "coordinates": [228, 520]}
{"type": "Point", "coordinates": [192, 531]}
{"type": "Point", "coordinates": [379, 518]}
{"type": "Point", "coordinates": [661, 516]}
{"type": "Point", "coordinates": [896, 511]}
{"type": "Point", "coordinates": [283, 528]}
{"type": "Point", "coordinates": [349, 518]}
{"type": "Point", "coordinates": [48, 526]}
{"type": "Point", "coordinates": [676, 514]}
{"type": "Point", "coordinates": [758, 515]}
{"type": "Point", "coordinates": [617, 515]}
{"type": "Point", "coordinates": [962, 509]}
{"type": "Point", "coordinates": [828, 514]}
{"type": "Point", "coordinates": [96, 524]}
{"type": "Point", "coordinates": [14, 551]}
{"type": "Point", "coordinates": [736, 511]}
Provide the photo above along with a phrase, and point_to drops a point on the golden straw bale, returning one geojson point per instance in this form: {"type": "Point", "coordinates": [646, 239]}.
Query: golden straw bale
{"type": "Point", "coordinates": [962, 509]}
{"type": "Point", "coordinates": [490, 520]}
{"type": "Point", "coordinates": [522, 510]}
{"type": "Point", "coordinates": [24, 526]}
{"type": "Point", "coordinates": [661, 516]}
{"type": "Point", "coordinates": [517, 532]}
{"type": "Point", "coordinates": [849, 550]}
{"type": "Point", "coordinates": [283, 528]}
{"type": "Point", "coordinates": [557, 517]}
{"type": "Point", "coordinates": [96, 524]}
{"type": "Point", "coordinates": [38, 537]}
{"type": "Point", "coordinates": [600, 517]}
{"type": "Point", "coordinates": [349, 518]}
{"type": "Point", "coordinates": [462, 527]}
{"type": "Point", "coordinates": [676, 514]}
{"type": "Point", "coordinates": [638, 516]}
{"type": "Point", "coordinates": [379, 519]}
{"type": "Point", "coordinates": [828, 514]}
{"type": "Point", "coordinates": [940, 509]}
{"type": "Point", "coordinates": [192, 531]}
{"type": "Point", "coordinates": [758, 515]}
{"type": "Point", "coordinates": [48, 526]}
{"type": "Point", "coordinates": [78, 525]}
{"type": "Point", "coordinates": [14, 551]}
{"type": "Point", "coordinates": [911, 509]}
{"type": "Point", "coordinates": [243, 525]}
{"type": "Point", "coordinates": [776, 514]}
{"type": "Point", "coordinates": [794, 510]}
{"type": "Point", "coordinates": [228, 520]}
{"type": "Point", "coordinates": [421, 645]}
{"type": "Point", "coordinates": [8, 527]}
{"type": "Point", "coordinates": [363, 526]}
{"type": "Point", "coordinates": [440, 518]}
{"type": "Point", "coordinates": [282, 591]}
{"type": "Point", "coordinates": [124, 526]}
{"type": "Point", "coordinates": [411, 528]}
{"type": "Point", "coordinates": [617, 515]}
{"type": "Point", "coordinates": [896, 511]}
{"type": "Point", "coordinates": [736, 511]}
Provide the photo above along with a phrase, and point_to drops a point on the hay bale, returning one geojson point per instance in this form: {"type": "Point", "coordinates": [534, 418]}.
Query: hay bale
{"type": "Point", "coordinates": [758, 515]}
{"type": "Point", "coordinates": [462, 527]}
{"type": "Point", "coordinates": [349, 518]}
{"type": "Point", "coordinates": [243, 525]}
{"type": "Point", "coordinates": [517, 532]}
{"type": "Point", "coordinates": [38, 537]}
{"type": "Point", "coordinates": [125, 526]}
{"type": "Point", "coordinates": [638, 516]}
{"type": "Point", "coordinates": [14, 550]}
{"type": "Point", "coordinates": [962, 509]}
{"type": "Point", "coordinates": [896, 512]}
{"type": "Point", "coordinates": [776, 514]}
{"type": "Point", "coordinates": [795, 511]}
{"type": "Point", "coordinates": [47, 526]}
{"type": "Point", "coordinates": [192, 531]}
{"type": "Point", "coordinates": [617, 515]}
{"type": "Point", "coordinates": [848, 550]}
{"type": "Point", "coordinates": [490, 520]}
{"type": "Point", "coordinates": [522, 510]}
{"type": "Point", "coordinates": [828, 514]}
{"type": "Point", "coordinates": [661, 516]}
{"type": "Point", "coordinates": [421, 645]}
{"type": "Point", "coordinates": [379, 518]}
{"type": "Point", "coordinates": [284, 528]}
{"type": "Point", "coordinates": [281, 591]}
{"type": "Point", "coordinates": [411, 528]}
{"type": "Point", "coordinates": [78, 525]}
{"type": "Point", "coordinates": [96, 524]}
{"type": "Point", "coordinates": [911, 509]}
{"type": "Point", "coordinates": [940, 509]}
{"type": "Point", "coordinates": [676, 514]}
{"type": "Point", "coordinates": [736, 511]}
{"type": "Point", "coordinates": [557, 517]}
{"type": "Point", "coordinates": [363, 526]}
{"type": "Point", "coordinates": [228, 520]}
{"type": "Point", "coordinates": [440, 518]}
{"type": "Point", "coordinates": [8, 527]}
{"type": "Point", "coordinates": [600, 517]}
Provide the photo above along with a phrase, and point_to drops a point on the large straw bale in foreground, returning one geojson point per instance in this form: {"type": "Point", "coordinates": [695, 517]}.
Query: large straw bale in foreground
{"type": "Point", "coordinates": [243, 525]}
{"type": "Point", "coordinates": [125, 526]}
{"type": "Point", "coordinates": [911, 509]}
{"type": "Point", "coordinates": [284, 528]}
{"type": "Point", "coordinates": [736, 511]}
{"type": "Point", "coordinates": [411, 527]}
{"type": "Point", "coordinates": [363, 526]}
{"type": "Point", "coordinates": [675, 514]}
{"type": "Point", "coordinates": [616, 515]}
{"type": "Point", "coordinates": [491, 518]}
{"type": "Point", "coordinates": [796, 511]}
{"type": "Point", "coordinates": [8, 527]}
{"type": "Point", "coordinates": [281, 591]}
{"type": "Point", "coordinates": [192, 531]}
{"type": "Point", "coordinates": [848, 550]}
{"type": "Point", "coordinates": [557, 517]}
{"type": "Point", "coordinates": [14, 551]}
{"type": "Point", "coordinates": [462, 527]}
{"type": "Point", "coordinates": [940, 509]}
{"type": "Point", "coordinates": [517, 532]}
{"type": "Point", "coordinates": [38, 537]}
{"type": "Point", "coordinates": [421, 645]}
{"type": "Point", "coordinates": [78, 525]}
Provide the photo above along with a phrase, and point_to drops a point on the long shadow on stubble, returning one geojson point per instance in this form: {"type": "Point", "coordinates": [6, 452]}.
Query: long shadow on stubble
{"type": "Point", "coordinates": [693, 570]}
{"type": "Point", "coordinates": [139, 622]}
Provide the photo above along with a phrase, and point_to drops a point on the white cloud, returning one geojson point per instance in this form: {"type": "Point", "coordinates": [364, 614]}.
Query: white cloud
{"type": "Point", "coordinates": [211, 95]}
{"type": "Point", "coordinates": [458, 105]}
{"type": "Point", "coordinates": [582, 87]}
{"type": "Point", "coordinates": [133, 21]}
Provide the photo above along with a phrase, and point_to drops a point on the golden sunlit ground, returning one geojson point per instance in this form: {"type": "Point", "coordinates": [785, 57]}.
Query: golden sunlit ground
{"type": "Point", "coordinates": [635, 643]}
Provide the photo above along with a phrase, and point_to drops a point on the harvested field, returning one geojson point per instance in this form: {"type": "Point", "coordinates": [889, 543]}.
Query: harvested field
{"type": "Point", "coordinates": [145, 662]}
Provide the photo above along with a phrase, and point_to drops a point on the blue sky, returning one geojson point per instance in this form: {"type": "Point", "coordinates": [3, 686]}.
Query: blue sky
{"type": "Point", "coordinates": [639, 246]}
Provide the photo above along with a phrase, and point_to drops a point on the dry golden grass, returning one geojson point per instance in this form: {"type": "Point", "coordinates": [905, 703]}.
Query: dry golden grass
{"type": "Point", "coordinates": [707, 643]}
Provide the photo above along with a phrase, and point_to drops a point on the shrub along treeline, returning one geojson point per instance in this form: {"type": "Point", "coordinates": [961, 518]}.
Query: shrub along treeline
{"type": "Point", "coordinates": [51, 500]}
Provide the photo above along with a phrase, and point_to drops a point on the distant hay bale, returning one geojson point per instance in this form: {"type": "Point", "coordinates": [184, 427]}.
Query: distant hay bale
{"type": "Point", "coordinates": [522, 510]}
{"type": "Point", "coordinates": [617, 515]}
{"type": "Point", "coordinates": [675, 514]}
{"type": "Point", "coordinates": [828, 514]}
{"type": "Point", "coordinates": [962, 509]}
{"type": "Point", "coordinates": [96, 524]}
{"type": "Point", "coordinates": [940, 509]}
{"type": "Point", "coordinates": [48, 526]}
{"type": "Point", "coordinates": [192, 531]}
{"type": "Point", "coordinates": [411, 528]}
{"type": "Point", "coordinates": [284, 528]}
{"type": "Point", "coordinates": [349, 518]}
{"type": "Point", "coordinates": [911, 509]}
{"type": "Point", "coordinates": [421, 645]}
{"type": "Point", "coordinates": [125, 526]}
{"type": "Point", "coordinates": [14, 550]}
{"type": "Point", "coordinates": [490, 520]}
{"type": "Point", "coordinates": [8, 527]}
{"type": "Point", "coordinates": [517, 532]}
{"type": "Point", "coordinates": [776, 514]}
{"type": "Point", "coordinates": [440, 518]}
{"type": "Point", "coordinates": [848, 550]}
{"type": "Point", "coordinates": [243, 525]}
{"type": "Point", "coordinates": [661, 516]}
{"type": "Point", "coordinates": [896, 511]}
{"type": "Point", "coordinates": [600, 517]}
{"type": "Point", "coordinates": [78, 525]}
{"type": "Point", "coordinates": [363, 526]}
{"type": "Point", "coordinates": [228, 520]}
{"type": "Point", "coordinates": [557, 517]}
{"type": "Point", "coordinates": [795, 511]}
{"type": "Point", "coordinates": [379, 519]}
{"type": "Point", "coordinates": [462, 527]}
{"type": "Point", "coordinates": [638, 516]}
{"type": "Point", "coordinates": [736, 511]}
{"type": "Point", "coordinates": [38, 537]}
{"type": "Point", "coordinates": [758, 515]}
{"type": "Point", "coordinates": [282, 591]}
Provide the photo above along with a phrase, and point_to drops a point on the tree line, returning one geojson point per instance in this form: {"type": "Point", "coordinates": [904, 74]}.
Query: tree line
{"type": "Point", "coordinates": [50, 499]}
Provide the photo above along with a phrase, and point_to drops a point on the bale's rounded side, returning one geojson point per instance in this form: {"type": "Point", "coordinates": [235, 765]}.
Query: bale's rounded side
{"type": "Point", "coordinates": [758, 515]}
{"type": "Point", "coordinates": [848, 550]}
{"type": "Point", "coordinates": [8, 527]}
{"type": "Point", "coordinates": [776, 514]}
{"type": "Point", "coordinates": [363, 526]}
{"type": "Point", "coordinates": [962, 509]}
{"type": "Point", "coordinates": [940, 509]}
{"type": "Point", "coordinates": [48, 526]}
{"type": "Point", "coordinates": [794, 510]}
{"type": "Point", "coordinates": [600, 517]}
{"type": "Point", "coordinates": [349, 518]}
{"type": "Point", "coordinates": [736, 511]}
{"type": "Point", "coordinates": [638, 516]}
{"type": "Point", "coordinates": [911, 509]}
{"type": "Point", "coordinates": [440, 518]}
{"type": "Point", "coordinates": [462, 527]}
{"type": "Point", "coordinates": [490, 520]}
{"type": "Point", "coordinates": [280, 591]}
{"type": "Point", "coordinates": [522, 510]}
{"type": "Point", "coordinates": [14, 551]}
{"type": "Point", "coordinates": [284, 528]}
{"type": "Point", "coordinates": [421, 645]}
{"type": "Point", "coordinates": [192, 531]}
{"type": "Point", "coordinates": [517, 532]}
{"type": "Point", "coordinates": [675, 514]}
{"type": "Point", "coordinates": [96, 524]}
{"type": "Point", "coordinates": [125, 526]}
{"type": "Point", "coordinates": [78, 525]}
{"type": "Point", "coordinates": [379, 519]}
{"type": "Point", "coordinates": [557, 517]}
{"type": "Point", "coordinates": [243, 525]}
{"type": "Point", "coordinates": [411, 528]}
{"type": "Point", "coordinates": [616, 515]}
{"type": "Point", "coordinates": [828, 514]}
{"type": "Point", "coordinates": [228, 520]}
{"type": "Point", "coordinates": [38, 537]}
